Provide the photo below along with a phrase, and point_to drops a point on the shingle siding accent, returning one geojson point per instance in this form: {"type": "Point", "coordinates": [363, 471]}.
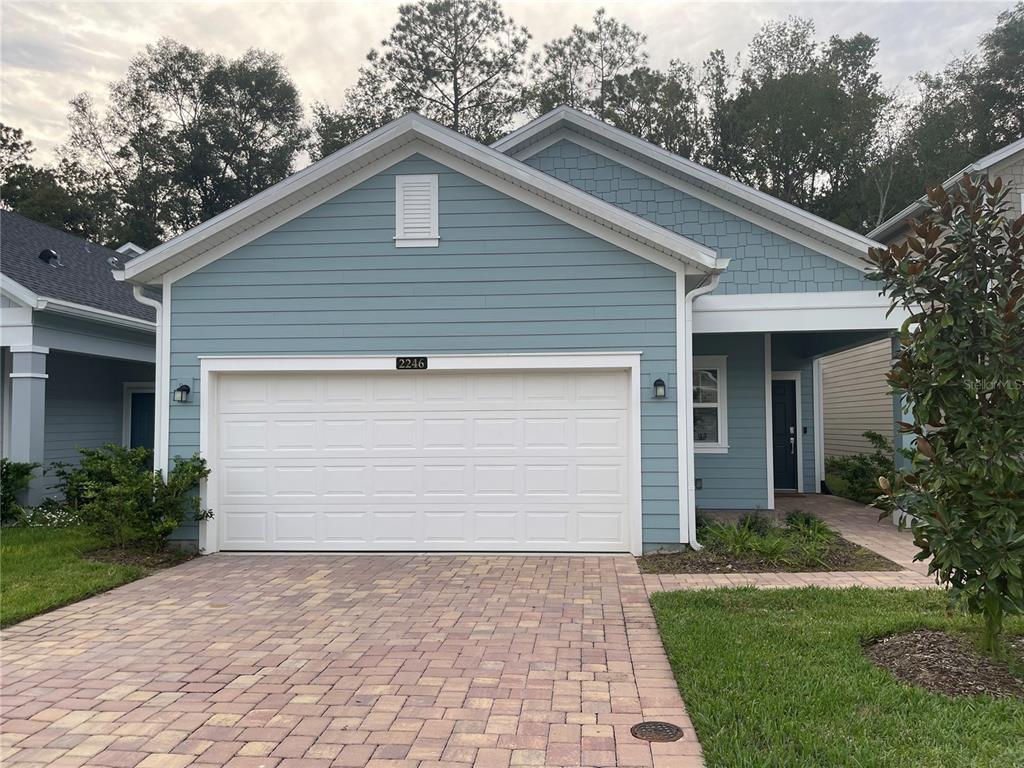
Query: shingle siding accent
{"type": "Point", "coordinates": [761, 261]}
{"type": "Point", "coordinates": [504, 278]}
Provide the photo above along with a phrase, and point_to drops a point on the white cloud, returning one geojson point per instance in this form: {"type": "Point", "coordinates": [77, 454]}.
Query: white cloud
{"type": "Point", "coordinates": [51, 51]}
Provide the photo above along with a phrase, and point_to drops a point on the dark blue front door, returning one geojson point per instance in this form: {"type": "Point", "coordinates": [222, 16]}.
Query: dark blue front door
{"type": "Point", "coordinates": [143, 415]}
{"type": "Point", "coordinates": [784, 434]}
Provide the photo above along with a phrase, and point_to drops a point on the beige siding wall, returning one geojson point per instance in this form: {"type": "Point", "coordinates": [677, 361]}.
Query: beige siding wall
{"type": "Point", "coordinates": [1012, 173]}
{"type": "Point", "coordinates": [855, 397]}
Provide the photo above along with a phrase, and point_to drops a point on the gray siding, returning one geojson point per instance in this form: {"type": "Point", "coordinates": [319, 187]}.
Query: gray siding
{"type": "Point", "coordinates": [505, 278]}
{"type": "Point", "coordinates": [856, 397]}
{"type": "Point", "coordinates": [84, 402]}
{"type": "Point", "coordinates": [762, 261]}
{"type": "Point", "coordinates": [737, 479]}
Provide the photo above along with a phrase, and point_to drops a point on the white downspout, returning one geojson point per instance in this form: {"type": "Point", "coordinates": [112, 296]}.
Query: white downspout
{"type": "Point", "coordinates": [159, 381]}
{"type": "Point", "coordinates": [686, 387]}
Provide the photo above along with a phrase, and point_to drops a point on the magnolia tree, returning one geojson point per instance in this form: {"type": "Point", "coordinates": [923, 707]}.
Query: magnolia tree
{"type": "Point", "coordinates": [960, 368]}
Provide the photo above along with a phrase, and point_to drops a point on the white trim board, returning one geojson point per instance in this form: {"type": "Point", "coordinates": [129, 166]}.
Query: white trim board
{"type": "Point", "coordinates": [795, 377]}
{"type": "Point", "coordinates": [819, 423]}
{"type": "Point", "coordinates": [817, 311]}
{"type": "Point", "coordinates": [769, 451]}
{"type": "Point", "coordinates": [33, 301]}
{"type": "Point", "coordinates": [388, 144]}
{"type": "Point", "coordinates": [211, 367]}
{"type": "Point", "coordinates": [521, 143]}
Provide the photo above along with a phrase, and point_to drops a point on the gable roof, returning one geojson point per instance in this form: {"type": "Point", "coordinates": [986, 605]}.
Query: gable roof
{"type": "Point", "coordinates": [774, 214]}
{"type": "Point", "coordinates": [414, 133]}
{"type": "Point", "coordinates": [83, 276]}
{"type": "Point", "coordinates": [894, 224]}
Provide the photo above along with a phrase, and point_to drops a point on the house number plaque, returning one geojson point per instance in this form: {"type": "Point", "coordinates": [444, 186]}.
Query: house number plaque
{"type": "Point", "coordinates": [411, 363]}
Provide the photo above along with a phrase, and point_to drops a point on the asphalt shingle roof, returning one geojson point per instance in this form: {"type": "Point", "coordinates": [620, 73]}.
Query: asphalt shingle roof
{"type": "Point", "coordinates": [84, 278]}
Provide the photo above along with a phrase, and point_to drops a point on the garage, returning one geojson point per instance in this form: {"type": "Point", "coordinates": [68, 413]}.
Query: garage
{"type": "Point", "coordinates": [422, 460]}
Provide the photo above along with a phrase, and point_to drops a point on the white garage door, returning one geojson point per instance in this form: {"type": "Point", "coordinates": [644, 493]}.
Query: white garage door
{"type": "Point", "coordinates": [414, 460]}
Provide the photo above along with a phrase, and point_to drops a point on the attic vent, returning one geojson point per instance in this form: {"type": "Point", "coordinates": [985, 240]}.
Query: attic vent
{"type": "Point", "coordinates": [416, 211]}
{"type": "Point", "coordinates": [51, 257]}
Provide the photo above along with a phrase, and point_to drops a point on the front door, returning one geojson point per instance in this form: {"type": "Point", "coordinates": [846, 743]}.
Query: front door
{"type": "Point", "coordinates": [784, 433]}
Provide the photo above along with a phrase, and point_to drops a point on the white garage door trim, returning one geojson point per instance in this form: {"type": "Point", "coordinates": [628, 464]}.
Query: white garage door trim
{"type": "Point", "coordinates": [211, 367]}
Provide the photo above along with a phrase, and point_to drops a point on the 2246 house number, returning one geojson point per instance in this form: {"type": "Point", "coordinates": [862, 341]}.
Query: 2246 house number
{"type": "Point", "coordinates": [411, 363]}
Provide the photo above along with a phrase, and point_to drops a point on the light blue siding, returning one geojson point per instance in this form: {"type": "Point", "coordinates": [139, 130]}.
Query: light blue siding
{"type": "Point", "coordinates": [84, 402]}
{"type": "Point", "coordinates": [737, 479]}
{"type": "Point", "coordinates": [761, 261]}
{"type": "Point", "coordinates": [505, 278]}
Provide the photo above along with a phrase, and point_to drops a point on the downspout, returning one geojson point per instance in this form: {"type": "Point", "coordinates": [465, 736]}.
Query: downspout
{"type": "Point", "coordinates": [159, 384]}
{"type": "Point", "coordinates": [707, 285]}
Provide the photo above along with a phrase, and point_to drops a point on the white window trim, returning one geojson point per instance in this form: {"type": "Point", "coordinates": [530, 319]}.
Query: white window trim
{"type": "Point", "coordinates": [212, 367]}
{"type": "Point", "coordinates": [128, 389]}
{"type": "Point", "coordinates": [401, 241]}
{"type": "Point", "coordinates": [794, 376]}
{"type": "Point", "coordinates": [719, 363]}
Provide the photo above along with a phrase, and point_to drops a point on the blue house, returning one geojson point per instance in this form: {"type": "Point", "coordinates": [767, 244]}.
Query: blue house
{"type": "Point", "coordinates": [569, 341]}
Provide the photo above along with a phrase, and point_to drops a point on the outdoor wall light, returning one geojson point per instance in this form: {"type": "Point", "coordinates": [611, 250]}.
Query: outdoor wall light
{"type": "Point", "coordinates": [181, 393]}
{"type": "Point", "coordinates": [660, 390]}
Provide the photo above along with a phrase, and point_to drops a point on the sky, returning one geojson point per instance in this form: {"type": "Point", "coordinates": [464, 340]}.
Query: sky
{"type": "Point", "coordinates": [51, 51]}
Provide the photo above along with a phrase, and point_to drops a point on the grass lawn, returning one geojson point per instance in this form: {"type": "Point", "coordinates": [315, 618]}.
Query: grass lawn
{"type": "Point", "coordinates": [43, 568]}
{"type": "Point", "coordinates": [777, 679]}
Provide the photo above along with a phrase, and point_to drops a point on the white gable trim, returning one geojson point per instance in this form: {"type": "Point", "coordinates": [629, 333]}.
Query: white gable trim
{"type": "Point", "coordinates": [17, 292]}
{"type": "Point", "coordinates": [772, 225]}
{"type": "Point", "coordinates": [30, 300]}
{"type": "Point", "coordinates": [518, 144]}
{"type": "Point", "coordinates": [386, 146]}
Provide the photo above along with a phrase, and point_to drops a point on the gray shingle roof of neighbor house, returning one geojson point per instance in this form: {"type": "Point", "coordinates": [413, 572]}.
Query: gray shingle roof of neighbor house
{"type": "Point", "coordinates": [891, 225]}
{"type": "Point", "coordinates": [84, 272]}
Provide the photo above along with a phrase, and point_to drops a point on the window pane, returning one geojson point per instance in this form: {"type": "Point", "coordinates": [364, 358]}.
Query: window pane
{"type": "Point", "coordinates": [705, 386]}
{"type": "Point", "coordinates": [705, 425]}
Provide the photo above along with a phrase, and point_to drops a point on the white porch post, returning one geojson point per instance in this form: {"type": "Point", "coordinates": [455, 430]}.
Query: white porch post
{"type": "Point", "coordinates": [28, 411]}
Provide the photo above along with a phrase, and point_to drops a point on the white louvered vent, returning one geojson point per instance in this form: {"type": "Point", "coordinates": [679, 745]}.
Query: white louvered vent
{"type": "Point", "coordinates": [416, 211]}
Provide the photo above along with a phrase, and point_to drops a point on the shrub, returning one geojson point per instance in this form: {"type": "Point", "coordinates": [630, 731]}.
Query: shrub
{"type": "Point", "coordinates": [809, 526]}
{"type": "Point", "coordinates": [960, 368]}
{"type": "Point", "coordinates": [733, 539]}
{"type": "Point", "coordinates": [771, 546]}
{"type": "Point", "coordinates": [114, 492]}
{"type": "Point", "coordinates": [15, 477]}
{"type": "Point", "coordinates": [52, 513]}
{"type": "Point", "coordinates": [856, 477]}
{"type": "Point", "coordinates": [757, 523]}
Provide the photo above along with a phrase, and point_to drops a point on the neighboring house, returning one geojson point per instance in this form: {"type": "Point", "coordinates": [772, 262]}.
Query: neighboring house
{"type": "Point", "coordinates": [77, 355]}
{"type": "Point", "coordinates": [569, 341]}
{"type": "Point", "coordinates": [856, 393]}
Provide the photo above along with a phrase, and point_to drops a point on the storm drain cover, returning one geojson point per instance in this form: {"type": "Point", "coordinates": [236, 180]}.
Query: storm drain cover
{"type": "Point", "coordinates": [653, 730]}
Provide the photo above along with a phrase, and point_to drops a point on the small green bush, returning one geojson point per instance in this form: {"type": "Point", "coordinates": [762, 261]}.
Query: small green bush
{"type": "Point", "coordinates": [856, 477]}
{"type": "Point", "coordinates": [809, 526]}
{"type": "Point", "coordinates": [730, 538]}
{"type": "Point", "coordinates": [114, 492]}
{"type": "Point", "coordinates": [771, 546]}
{"type": "Point", "coordinates": [757, 523]}
{"type": "Point", "coordinates": [15, 477]}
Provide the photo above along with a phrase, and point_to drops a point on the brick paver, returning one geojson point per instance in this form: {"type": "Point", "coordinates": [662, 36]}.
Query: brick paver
{"type": "Point", "coordinates": [307, 660]}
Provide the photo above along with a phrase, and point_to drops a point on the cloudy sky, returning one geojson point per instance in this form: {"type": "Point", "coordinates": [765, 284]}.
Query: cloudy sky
{"type": "Point", "coordinates": [50, 51]}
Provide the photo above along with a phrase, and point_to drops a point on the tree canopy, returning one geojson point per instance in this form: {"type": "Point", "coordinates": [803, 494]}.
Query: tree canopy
{"type": "Point", "coordinates": [187, 134]}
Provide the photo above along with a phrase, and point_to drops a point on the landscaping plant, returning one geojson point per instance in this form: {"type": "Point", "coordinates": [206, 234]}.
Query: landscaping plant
{"type": "Point", "coordinates": [115, 493]}
{"type": "Point", "coordinates": [15, 477]}
{"type": "Point", "coordinates": [856, 476]}
{"type": "Point", "coordinates": [960, 368]}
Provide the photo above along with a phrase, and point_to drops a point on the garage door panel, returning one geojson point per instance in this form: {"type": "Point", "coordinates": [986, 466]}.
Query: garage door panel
{"type": "Point", "coordinates": [513, 461]}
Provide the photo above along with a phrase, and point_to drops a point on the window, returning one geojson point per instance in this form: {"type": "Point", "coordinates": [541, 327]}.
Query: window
{"type": "Point", "coordinates": [710, 433]}
{"type": "Point", "coordinates": [416, 211]}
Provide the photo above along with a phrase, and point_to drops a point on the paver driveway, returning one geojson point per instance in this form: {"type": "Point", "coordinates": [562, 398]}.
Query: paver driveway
{"type": "Point", "coordinates": [403, 661]}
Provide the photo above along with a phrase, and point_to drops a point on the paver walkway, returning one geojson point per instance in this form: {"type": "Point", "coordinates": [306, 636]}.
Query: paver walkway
{"type": "Point", "coordinates": [375, 661]}
{"type": "Point", "coordinates": [854, 522]}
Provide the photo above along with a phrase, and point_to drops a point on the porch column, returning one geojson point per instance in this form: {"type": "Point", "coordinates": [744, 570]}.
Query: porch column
{"type": "Point", "coordinates": [28, 412]}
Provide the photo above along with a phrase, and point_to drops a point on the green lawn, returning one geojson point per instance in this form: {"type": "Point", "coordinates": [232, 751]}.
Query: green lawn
{"type": "Point", "coordinates": [43, 568]}
{"type": "Point", "coordinates": [777, 679]}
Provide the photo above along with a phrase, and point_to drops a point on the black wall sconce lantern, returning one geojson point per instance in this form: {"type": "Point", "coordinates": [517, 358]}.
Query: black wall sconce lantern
{"type": "Point", "coordinates": [181, 393]}
{"type": "Point", "coordinates": [660, 390]}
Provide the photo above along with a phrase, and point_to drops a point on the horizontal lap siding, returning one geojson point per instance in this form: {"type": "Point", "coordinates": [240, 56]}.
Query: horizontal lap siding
{"type": "Point", "coordinates": [856, 397]}
{"type": "Point", "coordinates": [737, 479]}
{"type": "Point", "coordinates": [84, 402]}
{"type": "Point", "coordinates": [761, 261]}
{"type": "Point", "coordinates": [505, 278]}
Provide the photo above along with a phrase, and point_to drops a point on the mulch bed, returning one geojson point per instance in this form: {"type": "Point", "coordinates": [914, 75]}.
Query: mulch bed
{"type": "Point", "coordinates": [842, 555]}
{"type": "Point", "coordinates": [943, 663]}
{"type": "Point", "coordinates": [147, 559]}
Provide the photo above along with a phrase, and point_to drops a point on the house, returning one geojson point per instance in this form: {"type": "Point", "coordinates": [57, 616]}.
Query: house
{"type": "Point", "coordinates": [78, 349]}
{"type": "Point", "coordinates": [856, 393]}
{"type": "Point", "coordinates": [568, 341]}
